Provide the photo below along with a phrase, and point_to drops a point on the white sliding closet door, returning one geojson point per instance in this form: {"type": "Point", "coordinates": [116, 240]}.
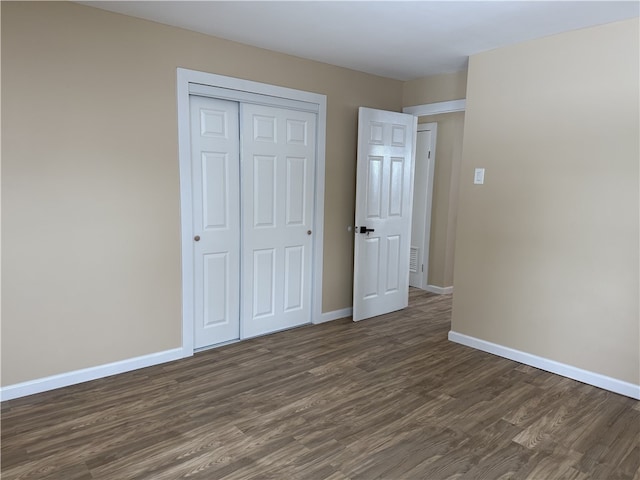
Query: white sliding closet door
{"type": "Point", "coordinates": [278, 149]}
{"type": "Point", "coordinates": [215, 166]}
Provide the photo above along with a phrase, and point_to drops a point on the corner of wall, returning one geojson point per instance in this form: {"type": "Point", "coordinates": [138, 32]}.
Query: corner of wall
{"type": "Point", "coordinates": [435, 88]}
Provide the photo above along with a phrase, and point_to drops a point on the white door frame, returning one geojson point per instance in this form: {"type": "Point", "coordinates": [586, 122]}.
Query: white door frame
{"type": "Point", "coordinates": [434, 109]}
{"type": "Point", "coordinates": [437, 108]}
{"type": "Point", "coordinates": [427, 206]}
{"type": "Point", "coordinates": [240, 90]}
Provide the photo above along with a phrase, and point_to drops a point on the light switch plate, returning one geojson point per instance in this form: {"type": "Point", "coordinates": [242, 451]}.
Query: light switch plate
{"type": "Point", "coordinates": [478, 176]}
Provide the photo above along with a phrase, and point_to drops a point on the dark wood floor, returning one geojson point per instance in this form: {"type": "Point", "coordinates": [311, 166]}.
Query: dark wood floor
{"type": "Point", "coordinates": [384, 398]}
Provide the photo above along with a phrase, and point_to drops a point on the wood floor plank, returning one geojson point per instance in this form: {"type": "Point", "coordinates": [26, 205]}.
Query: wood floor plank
{"type": "Point", "coordinates": [388, 398]}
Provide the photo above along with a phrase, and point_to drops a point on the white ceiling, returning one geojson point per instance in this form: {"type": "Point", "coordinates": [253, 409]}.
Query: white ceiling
{"type": "Point", "coordinates": [396, 39]}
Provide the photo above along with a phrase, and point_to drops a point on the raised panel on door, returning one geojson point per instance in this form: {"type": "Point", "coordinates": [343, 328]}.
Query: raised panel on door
{"type": "Point", "coordinates": [396, 186]}
{"type": "Point", "coordinates": [371, 254]}
{"type": "Point", "coordinates": [264, 282]}
{"type": "Point", "coordinates": [374, 187]}
{"type": "Point", "coordinates": [383, 207]}
{"type": "Point", "coordinates": [294, 276]}
{"type": "Point", "coordinates": [216, 209]}
{"type": "Point", "coordinates": [393, 281]}
{"type": "Point", "coordinates": [296, 201]}
{"type": "Point", "coordinates": [278, 165]}
{"type": "Point", "coordinates": [215, 283]}
{"type": "Point", "coordinates": [264, 191]}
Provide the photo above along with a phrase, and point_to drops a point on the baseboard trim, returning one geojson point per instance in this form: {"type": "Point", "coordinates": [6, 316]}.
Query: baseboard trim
{"type": "Point", "coordinates": [584, 376]}
{"type": "Point", "coordinates": [439, 290]}
{"type": "Point", "coordinates": [86, 374]}
{"type": "Point", "coordinates": [334, 315]}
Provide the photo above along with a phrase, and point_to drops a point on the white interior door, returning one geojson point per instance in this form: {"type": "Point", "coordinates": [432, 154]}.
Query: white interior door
{"type": "Point", "coordinates": [216, 219]}
{"type": "Point", "coordinates": [278, 165]}
{"type": "Point", "coordinates": [422, 201]}
{"type": "Point", "coordinates": [385, 165]}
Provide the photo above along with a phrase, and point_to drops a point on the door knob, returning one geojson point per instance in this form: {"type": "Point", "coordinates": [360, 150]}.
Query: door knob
{"type": "Point", "coordinates": [366, 230]}
{"type": "Point", "coordinates": [308, 232]}
{"type": "Point", "coordinates": [197, 238]}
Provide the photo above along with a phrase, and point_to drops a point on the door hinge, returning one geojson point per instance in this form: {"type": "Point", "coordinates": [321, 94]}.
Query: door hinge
{"type": "Point", "coordinates": [429, 156]}
{"type": "Point", "coordinates": [422, 267]}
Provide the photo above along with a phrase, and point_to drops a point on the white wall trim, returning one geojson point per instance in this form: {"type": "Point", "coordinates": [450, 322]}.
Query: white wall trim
{"type": "Point", "coordinates": [86, 374]}
{"type": "Point", "coordinates": [335, 315]}
{"type": "Point", "coordinates": [186, 208]}
{"type": "Point", "coordinates": [439, 290]}
{"type": "Point", "coordinates": [437, 108]}
{"type": "Point", "coordinates": [584, 376]}
{"type": "Point", "coordinates": [237, 89]}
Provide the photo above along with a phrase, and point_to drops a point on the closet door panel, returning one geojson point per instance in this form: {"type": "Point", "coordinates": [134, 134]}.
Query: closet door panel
{"type": "Point", "coordinates": [278, 163]}
{"type": "Point", "coordinates": [215, 166]}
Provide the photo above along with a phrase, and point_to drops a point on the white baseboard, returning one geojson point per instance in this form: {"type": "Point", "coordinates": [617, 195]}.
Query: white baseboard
{"type": "Point", "coordinates": [439, 290]}
{"type": "Point", "coordinates": [348, 312]}
{"type": "Point", "coordinates": [584, 376]}
{"type": "Point", "coordinates": [86, 374]}
{"type": "Point", "coordinates": [335, 315]}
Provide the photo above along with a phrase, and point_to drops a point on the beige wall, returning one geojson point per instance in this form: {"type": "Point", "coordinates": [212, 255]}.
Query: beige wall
{"type": "Point", "coordinates": [90, 194]}
{"type": "Point", "coordinates": [547, 249]}
{"type": "Point", "coordinates": [435, 88]}
{"type": "Point", "coordinates": [444, 209]}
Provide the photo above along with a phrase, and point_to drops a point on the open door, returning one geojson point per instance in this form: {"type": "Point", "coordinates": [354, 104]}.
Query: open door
{"type": "Point", "coordinates": [384, 194]}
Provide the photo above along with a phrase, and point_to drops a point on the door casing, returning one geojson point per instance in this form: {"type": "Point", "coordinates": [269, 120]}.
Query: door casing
{"type": "Point", "coordinates": [420, 279]}
{"type": "Point", "coordinates": [229, 88]}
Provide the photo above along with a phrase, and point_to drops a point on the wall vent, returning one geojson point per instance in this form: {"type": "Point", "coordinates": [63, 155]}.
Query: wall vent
{"type": "Point", "coordinates": [413, 259]}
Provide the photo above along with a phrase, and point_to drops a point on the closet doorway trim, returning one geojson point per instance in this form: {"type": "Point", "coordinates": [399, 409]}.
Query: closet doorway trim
{"type": "Point", "coordinates": [229, 88]}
